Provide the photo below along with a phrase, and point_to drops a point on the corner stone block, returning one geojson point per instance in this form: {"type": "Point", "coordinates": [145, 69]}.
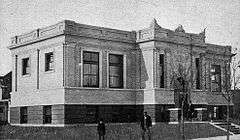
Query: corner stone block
{"type": "Point", "coordinates": [15, 115]}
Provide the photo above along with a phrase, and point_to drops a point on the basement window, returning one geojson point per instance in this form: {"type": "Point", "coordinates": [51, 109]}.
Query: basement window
{"type": "Point", "coordinates": [23, 115]}
{"type": "Point", "coordinates": [47, 114]}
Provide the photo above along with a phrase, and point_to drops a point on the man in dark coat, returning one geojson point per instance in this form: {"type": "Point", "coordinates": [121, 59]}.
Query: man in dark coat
{"type": "Point", "coordinates": [146, 123]}
{"type": "Point", "coordinates": [101, 129]}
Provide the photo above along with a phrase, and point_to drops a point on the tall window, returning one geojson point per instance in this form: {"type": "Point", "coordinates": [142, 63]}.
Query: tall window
{"type": "Point", "coordinates": [25, 66]}
{"type": "Point", "coordinates": [90, 69]}
{"type": "Point", "coordinates": [216, 78]}
{"type": "Point", "coordinates": [197, 61]}
{"type": "Point", "coordinates": [161, 66]}
{"type": "Point", "coordinates": [49, 65]}
{"type": "Point", "coordinates": [47, 114]}
{"type": "Point", "coordinates": [115, 71]}
{"type": "Point", "coordinates": [23, 115]}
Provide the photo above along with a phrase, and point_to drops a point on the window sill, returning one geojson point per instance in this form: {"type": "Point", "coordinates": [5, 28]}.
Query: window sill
{"type": "Point", "coordinates": [26, 75]}
{"type": "Point", "coordinates": [99, 88]}
{"type": "Point", "coordinates": [49, 71]}
{"type": "Point", "coordinates": [198, 90]}
{"type": "Point", "coordinates": [115, 87]}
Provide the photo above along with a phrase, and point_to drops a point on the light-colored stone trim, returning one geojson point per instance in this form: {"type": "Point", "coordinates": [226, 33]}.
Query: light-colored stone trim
{"type": "Point", "coordinates": [39, 125]}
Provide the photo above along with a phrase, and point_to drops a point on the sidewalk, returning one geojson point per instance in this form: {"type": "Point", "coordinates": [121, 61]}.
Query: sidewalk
{"type": "Point", "coordinates": [232, 137]}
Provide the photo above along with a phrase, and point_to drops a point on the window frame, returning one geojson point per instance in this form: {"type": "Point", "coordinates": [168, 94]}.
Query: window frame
{"type": "Point", "coordinates": [97, 63]}
{"type": "Point", "coordinates": [198, 73]}
{"type": "Point", "coordinates": [46, 116]}
{"type": "Point", "coordinates": [26, 72]}
{"type": "Point", "coordinates": [161, 65]}
{"type": "Point", "coordinates": [47, 63]}
{"type": "Point", "coordinates": [121, 65]}
{"type": "Point", "coordinates": [216, 74]}
{"type": "Point", "coordinates": [23, 115]}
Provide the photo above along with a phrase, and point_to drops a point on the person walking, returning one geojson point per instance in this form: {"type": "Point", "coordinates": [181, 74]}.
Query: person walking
{"type": "Point", "coordinates": [146, 124]}
{"type": "Point", "coordinates": [101, 129]}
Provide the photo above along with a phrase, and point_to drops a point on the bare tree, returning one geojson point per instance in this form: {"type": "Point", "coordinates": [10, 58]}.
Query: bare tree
{"type": "Point", "coordinates": [182, 80]}
{"type": "Point", "coordinates": [234, 65]}
{"type": "Point", "coordinates": [231, 82]}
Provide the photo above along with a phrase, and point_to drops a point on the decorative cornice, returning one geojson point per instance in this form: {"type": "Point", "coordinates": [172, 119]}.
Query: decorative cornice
{"type": "Point", "coordinates": [67, 27]}
{"type": "Point", "coordinates": [153, 33]}
{"type": "Point", "coordinates": [173, 42]}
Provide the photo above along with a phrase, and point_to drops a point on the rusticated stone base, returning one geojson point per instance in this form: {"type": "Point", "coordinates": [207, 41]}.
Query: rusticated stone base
{"type": "Point", "coordinates": [77, 114]}
{"type": "Point", "coordinates": [35, 114]}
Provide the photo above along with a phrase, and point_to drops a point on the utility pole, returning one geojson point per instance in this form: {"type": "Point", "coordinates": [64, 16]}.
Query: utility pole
{"type": "Point", "coordinates": [228, 101]}
{"type": "Point", "coordinates": [228, 90]}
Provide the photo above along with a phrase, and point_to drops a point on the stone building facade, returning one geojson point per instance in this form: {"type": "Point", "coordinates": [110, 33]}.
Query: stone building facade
{"type": "Point", "coordinates": [72, 73]}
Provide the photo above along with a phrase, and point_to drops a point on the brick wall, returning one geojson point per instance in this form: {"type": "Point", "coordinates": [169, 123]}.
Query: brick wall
{"type": "Point", "coordinates": [58, 114]}
{"type": "Point", "coordinates": [75, 114]}
{"type": "Point", "coordinates": [35, 114]}
{"type": "Point", "coordinates": [73, 64]}
{"type": "Point", "coordinates": [15, 115]}
{"type": "Point", "coordinates": [99, 96]}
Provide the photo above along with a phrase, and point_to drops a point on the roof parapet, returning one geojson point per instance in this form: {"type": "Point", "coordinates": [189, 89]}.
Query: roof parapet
{"type": "Point", "coordinates": [38, 34]}
{"type": "Point", "coordinates": [154, 24]}
{"type": "Point", "coordinates": [156, 32]}
{"type": "Point", "coordinates": [69, 27]}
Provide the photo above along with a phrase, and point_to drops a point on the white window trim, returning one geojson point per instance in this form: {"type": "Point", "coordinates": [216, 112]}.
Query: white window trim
{"type": "Point", "coordinates": [100, 65]}
{"type": "Point", "coordinates": [43, 53]}
{"type": "Point", "coordinates": [29, 74]}
{"type": "Point", "coordinates": [54, 64]}
{"type": "Point", "coordinates": [221, 88]}
{"type": "Point", "coordinates": [124, 67]}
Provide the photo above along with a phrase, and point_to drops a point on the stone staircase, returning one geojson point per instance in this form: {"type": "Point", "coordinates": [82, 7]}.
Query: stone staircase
{"type": "Point", "coordinates": [234, 129]}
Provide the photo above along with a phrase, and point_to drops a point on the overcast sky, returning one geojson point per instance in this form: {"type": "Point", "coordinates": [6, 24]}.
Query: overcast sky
{"type": "Point", "coordinates": [221, 17]}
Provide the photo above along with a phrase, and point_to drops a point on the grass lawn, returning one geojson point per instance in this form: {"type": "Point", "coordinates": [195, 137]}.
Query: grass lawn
{"type": "Point", "coordinates": [131, 131]}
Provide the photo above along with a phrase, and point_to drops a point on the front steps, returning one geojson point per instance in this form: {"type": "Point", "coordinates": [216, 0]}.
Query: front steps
{"type": "Point", "coordinates": [234, 129]}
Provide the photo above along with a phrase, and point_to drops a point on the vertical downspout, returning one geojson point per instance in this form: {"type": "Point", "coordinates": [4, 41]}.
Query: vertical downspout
{"type": "Point", "coordinates": [63, 64]}
{"type": "Point", "coordinates": [16, 61]}
{"type": "Point", "coordinates": [38, 62]}
{"type": "Point", "coordinates": [38, 68]}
